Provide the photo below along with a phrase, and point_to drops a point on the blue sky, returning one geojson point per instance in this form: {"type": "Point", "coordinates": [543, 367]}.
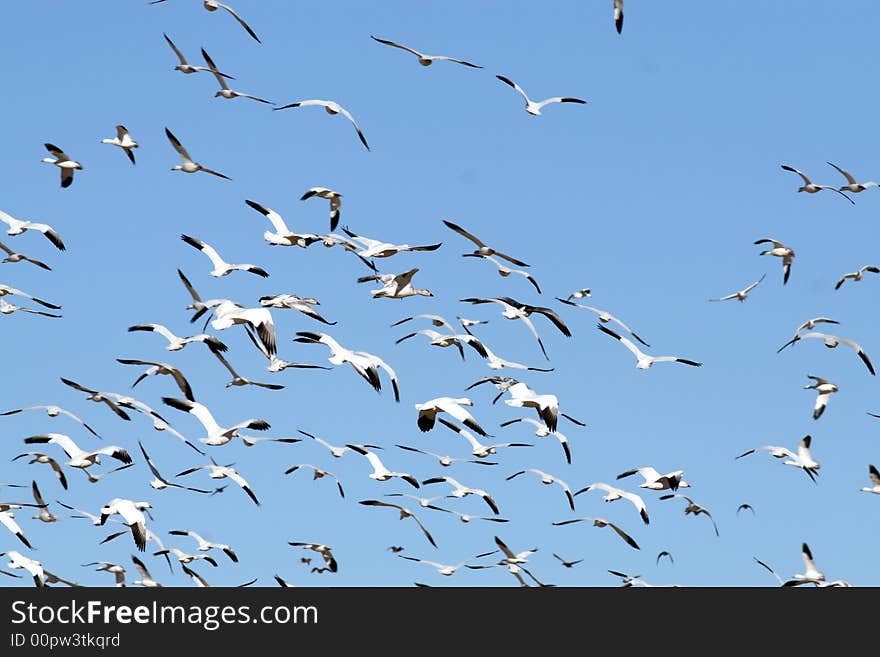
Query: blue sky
{"type": "Point", "coordinates": [651, 194]}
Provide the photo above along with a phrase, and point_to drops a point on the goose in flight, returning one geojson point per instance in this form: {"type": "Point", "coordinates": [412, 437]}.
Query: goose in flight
{"type": "Point", "coordinates": [176, 343]}
{"type": "Point", "coordinates": [156, 369]}
{"type": "Point", "coordinates": [541, 431]}
{"type": "Point", "coordinates": [825, 389]}
{"type": "Point", "coordinates": [580, 294]}
{"type": "Point", "coordinates": [395, 286]}
{"type": "Point", "coordinates": [106, 566]}
{"type": "Point", "coordinates": [8, 521]}
{"type": "Point", "coordinates": [97, 397]}
{"type": "Point", "coordinates": [664, 553]}
{"type": "Point", "coordinates": [505, 271]}
{"type": "Point", "coordinates": [5, 290]}
{"type": "Point", "coordinates": [445, 569]}
{"type": "Point", "coordinates": [216, 435]}
{"type": "Point", "coordinates": [12, 256]}
{"type": "Point", "coordinates": [159, 482]}
{"type": "Point", "coordinates": [132, 515]}
{"type": "Point", "coordinates": [832, 341]}
{"type": "Point", "coordinates": [380, 472]}
{"type": "Point", "coordinates": [146, 579]}
{"type": "Point", "coordinates": [318, 473]}
{"type": "Point", "coordinates": [605, 317]}
{"type": "Point", "coordinates": [692, 508]}
{"type": "Point", "coordinates": [39, 457]}
{"type": "Point", "coordinates": [238, 380]}
{"type": "Point", "coordinates": [534, 108]}
{"type": "Point", "coordinates": [809, 325]}
{"type": "Point", "coordinates": [214, 5]}
{"type": "Point", "coordinates": [444, 459]}
{"type": "Point", "coordinates": [811, 574]}
{"type": "Point", "coordinates": [183, 557]}
{"type": "Point", "coordinates": [294, 302]}
{"type": "Point", "coordinates": [435, 320]}
{"type": "Point", "coordinates": [478, 449]}
{"type": "Point", "coordinates": [482, 249]}
{"type": "Point", "coordinates": [332, 108]}
{"type": "Point", "coordinates": [780, 251]}
{"type": "Point", "coordinates": [614, 494]}
{"type": "Point", "coordinates": [811, 188]}
{"type": "Point", "coordinates": [216, 471]}
{"type": "Point", "coordinates": [452, 406]}
{"type": "Point", "coordinates": [853, 186]}
{"type": "Point", "coordinates": [187, 68]}
{"type": "Point", "coordinates": [655, 481]}
{"type": "Point", "coordinates": [189, 165]}
{"type": "Point", "coordinates": [548, 479]}
{"type": "Point", "coordinates": [741, 507]}
{"type": "Point", "coordinates": [424, 502]}
{"type": "Point", "coordinates": [7, 308]}
{"type": "Point", "coordinates": [335, 451]}
{"type": "Point", "coordinates": [365, 364]}
{"type": "Point", "coordinates": [856, 275]}
{"type": "Point", "coordinates": [441, 340]}
{"type": "Point", "coordinates": [229, 313]}
{"type": "Point", "coordinates": [19, 226]}
{"type": "Point", "coordinates": [282, 236]}
{"type": "Point", "coordinates": [124, 141]}
{"type": "Point", "coordinates": [404, 514]}
{"type": "Point", "coordinates": [377, 249]}
{"type": "Point", "coordinates": [225, 91]}
{"type": "Point", "coordinates": [874, 475]}
{"type": "Point", "coordinates": [34, 568]}
{"type": "Point", "coordinates": [335, 199]}
{"type": "Point", "coordinates": [495, 362]}
{"type": "Point", "coordinates": [460, 491]}
{"type": "Point", "coordinates": [567, 564]}
{"type": "Point", "coordinates": [645, 361]}
{"type": "Point", "coordinates": [324, 550]}
{"type": "Point", "coordinates": [44, 515]}
{"type": "Point", "coordinates": [803, 459]}
{"type": "Point", "coordinates": [205, 546]}
{"type": "Point", "coordinates": [467, 323]}
{"type": "Point", "coordinates": [601, 522]}
{"type": "Point", "coordinates": [62, 161]}
{"type": "Point", "coordinates": [509, 557]}
{"type": "Point", "coordinates": [741, 294]}
{"type": "Point", "coordinates": [618, 15]}
{"type": "Point", "coordinates": [466, 517]}
{"type": "Point", "coordinates": [425, 60]}
{"type": "Point", "coordinates": [546, 406]}
{"type": "Point", "coordinates": [502, 383]}
{"type": "Point", "coordinates": [513, 309]}
{"type": "Point", "coordinates": [221, 267]}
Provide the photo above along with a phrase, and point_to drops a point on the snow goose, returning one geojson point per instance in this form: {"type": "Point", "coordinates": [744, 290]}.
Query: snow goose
{"type": "Point", "coordinates": [146, 579]}
{"type": "Point", "coordinates": [436, 320]}
{"type": "Point", "coordinates": [395, 286]}
{"type": "Point", "coordinates": [645, 361]}
{"type": "Point", "coordinates": [618, 15]}
{"type": "Point", "coordinates": [39, 457]}
{"type": "Point", "coordinates": [132, 515]}
{"type": "Point", "coordinates": [95, 478]}
{"type": "Point", "coordinates": [424, 502]}
{"type": "Point", "coordinates": [79, 458]}
{"type": "Point", "coordinates": [541, 431]}
{"type": "Point", "coordinates": [444, 459]}
{"type": "Point", "coordinates": [547, 479]}
{"type": "Point", "coordinates": [225, 91]}
{"type": "Point", "coordinates": [124, 141]}
{"type": "Point", "coordinates": [509, 557]}
{"type": "Point", "coordinates": [318, 473]}
{"type": "Point", "coordinates": [546, 406]}
{"type": "Point", "coordinates": [332, 108]}
{"type": "Point", "coordinates": [441, 340]}
{"type": "Point", "coordinates": [505, 271]}
{"type": "Point", "coordinates": [106, 566]}
{"type": "Point", "coordinates": [282, 236]}
{"type": "Point", "coordinates": [221, 267]}
{"type": "Point", "coordinates": [534, 108]}
{"type": "Point", "coordinates": [445, 569]}
{"type": "Point", "coordinates": [228, 313]}
{"type": "Point", "coordinates": [19, 226]}
{"type": "Point", "coordinates": [62, 161]}
{"type": "Point", "coordinates": [216, 471]}
{"type": "Point", "coordinates": [467, 517]}
{"type": "Point", "coordinates": [459, 490]}
{"type": "Point", "coordinates": [12, 256]}
{"type": "Point", "coordinates": [803, 459]}
{"type": "Point", "coordinates": [35, 568]}
{"type": "Point", "coordinates": [176, 343]}
{"type": "Point", "coordinates": [324, 550]}
{"type": "Point", "coordinates": [404, 514]}
{"type": "Point", "coordinates": [482, 249]}
{"type": "Point", "coordinates": [187, 68]}
{"type": "Point", "coordinates": [811, 574]}
{"type": "Point", "coordinates": [495, 362]}
{"type": "Point", "coordinates": [853, 186]}
{"type": "Point", "coordinates": [513, 309]}
{"type": "Point", "coordinates": [294, 302]}
{"type": "Point", "coordinates": [189, 165]}
{"type": "Point", "coordinates": [692, 508]}
{"type": "Point", "coordinates": [779, 250]}
{"type": "Point", "coordinates": [44, 515]}
{"type": "Point", "coordinates": [380, 472]}
{"type": "Point", "coordinates": [478, 449]}
{"type": "Point", "coordinates": [832, 341]}
{"type": "Point", "coordinates": [741, 294]}
{"type": "Point", "coordinates": [467, 323]}
{"type": "Point", "coordinates": [655, 481]}
{"type": "Point", "coordinates": [614, 494]}
{"type": "Point", "coordinates": [205, 546]}
{"type": "Point", "coordinates": [601, 522]}
{"type": "Point", "coordinates": [605, 317]}
{"type": "Point", "coordinates": [567, 564]}
{"type": "Point", "coordinates": [825, 389]}
{"type": "Point", "coordinates": [214, 5]}
{"type": "Point", "coordinates": [159, 482]}
{"type": "Point", "coordinates": [502, 383]}
{"type": "Point", "coordinates": [183, 557]}
{"type": "Point", "coordinates": [377, 249]}
{"type": "Point", "coordinates": [238, 380]}
{"type": "Point", "coordinates": [424, 60]}
{"type": "Point", "coordinates": [875, 481]}
{"type": "Point", "coordinates": [7, 520]}
{"type": "Point", "coordinates": [811, 188]}
{"type": "Point", "coordinates": [216, 435]}
{"type": "Point", "coordinates": [809, 325]}
{"type": "Point", "coordinates": [7, 308]}
{"type": "Point", "coordinates": [5, 290]}
{"type": "Point", "coordinates": [451, 405]}
{"type": "Point", "coordinates": [335, 199]}
{"type": "Point", "coordinates": [156, 369]}
{"type": "Point", "coordinates": [53, 411]}
{"type": "Point", "coordinates": [856, 275]}
{"type": "Point", "coordinates": [335, 451]}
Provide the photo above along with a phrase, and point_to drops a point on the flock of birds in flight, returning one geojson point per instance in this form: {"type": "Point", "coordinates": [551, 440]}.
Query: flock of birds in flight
{"type": "Point", "coordinates": [451, 412]}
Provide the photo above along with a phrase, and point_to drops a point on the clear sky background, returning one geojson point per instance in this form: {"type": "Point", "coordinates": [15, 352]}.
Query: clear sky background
{"type": "Point", "coordinates": [651, 194]}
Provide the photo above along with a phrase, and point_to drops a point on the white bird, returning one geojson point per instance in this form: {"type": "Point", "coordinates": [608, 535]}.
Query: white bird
{"type": "Point", "coordinates": [436, 320]}
{"type": "Point", "coordinates": [176, 343]}
{"type": "Point", "coordinates": [228, 313]}
{"type": "Point", "coordinates": [614, 494]}
{"type": "Point", "coordinates": [875, 481]}
{"type": "Point", "coordinates": [19, 226]}
{"type": "Point", "coordinates": [35, 568]}
{"type": "Point", "coordinates": [183, 557]}
{"type": "Point", "coordinates": [335, 199]}
{"type": "Point", "coordinates": [534, 108]}
{"type": "Point", "coordinates": [832, 341]}
{"type": "Point", "coordinates": [214, 5]}
{"type": "Point", "coordinates": [318, 473]}
{"type": "Point", "coordinates": [12, 256]}
{"type": "Point", "coordinates": [294, 302]}
{"type": "Point", "coordinates": [6, 519]}
{"type": "Point", "coordinates": [645, 361]}
{"type": "Point", "coordinates": [811, 188]}
{"type": "Point", "coordinates": [324, 550]}
{"type": "Point", "coordinates": [425, 60]}
{"type": "Point", "coordinates": [39, 457]}
{"type": "Point", "coordinates": [444, 459]}
{"type": "Point", "coordinates": [124, 141]}
{"type": "Point", "coordinates": [605, 317]}
{"type": "Point", "coordinates": [601, 522]}
{"type": "Point", "coordinates": [447, 340]}
{"type": "Point", "coordinates": [106, 566]}
{"type": "Point", "coordinates": [7, 308]}
{"type": "Point", "coordinates": [467, 323]}
{"type": "Point", "coordinates": [811, 574]}
{"type": "Point", "coordinates": [548, 479]}
{"type": "Point", "coordinates": [692, 508]}
{"type": "Point", "coordinates": [803, 459]}
{"type": "Point", "coordinates": [511, 558]}
{"type": "Point", "coordinates": [205, 546]}
{"type": "Point", "coordinates": [146, 579]}
{"type": "Point", "coordinates": [541, 431]}
{"type": "Point", "coordinates": [189, 165]}
{"type": "Point", "coordinates": [809, 325]}
{"type": "Point", "coordinates": [216, 471]}
{"type": "Point", "coordinates": [505, 271]}
{"type": "Point", "coordinates": [395, 286]}
{"type": "Point", "coordinates": [79, 458]}
{"type": "Point", "coordinates": [482, 248]}
{"type": "Point", "coordinates": [53, 411]}
{"type": "Point", "coordinates": [221, 267]}
{"type": "Point", "coordinates": [156, 369]}
{"type": "Point", "coordinates": [186, 67]}
{"type": "Point", "coordinates": [239, 381]}
{"type": "Point", "coordinates": [452, 406]}
{"type": "Point", "coordinates": [62, 161]}
{"type": "Point", "coordinates": [856, 275]}
{"type": "Point", "coordinates": [477, 448]}
{"type": "Point", "coordinates": [495, 362]}
{"type": "Point", "coordinates": [466, 517]}
{"type": "Point", "coordinates": [132, 515]}
{"type": "Point", "coordinates": [225, 91]}
{"type": "Point", "coordinates": [404, 514]}
{"type": "Point", "coordinates": [618, 15]}
{"type": "Point", "coordinates": [545, 405]}
{"type": "Point", "coordinates": [335, 451]}
{"type": "Point", "coordinates": [380, 472]}
{"type": "Point", "coordinates": [377, 249]}
{"type": "Point", "coordinates": [741, 294]}
{"type": "Point", "coordinates": [216, 435]}
{"type": "Point", "coordinates": [444, 569]}
{"type": "Point", "coordinates": [159, 482]}
{"type": "Point", "coordinates": [853, 186]}
{"type": "Point", "coordinates": [6, 290]}
{"type": "Point", "coordinates": [513, 309]}
{"type": "Point", "coordinates": [331, 107]}
{"type": "Point", "coordinates": [825, 389]}
{"type": "Point", "coordinates": [655, 481]}
{"type": "Point", "coordinates": [282, 236]}
{"type": "Point", "coordinates": [95, 478]}
{"type": "Point", "coordinates": [779, 250]}
{"type": "Point", "coordinates": [460, 490]}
